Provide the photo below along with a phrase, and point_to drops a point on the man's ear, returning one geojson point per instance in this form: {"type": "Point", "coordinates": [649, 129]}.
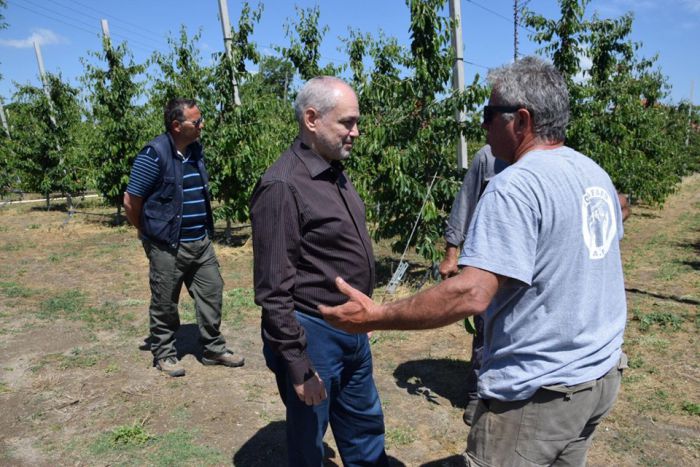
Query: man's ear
{"type": "Point", "coordinates": [176, 126]}
{"type": "Point", "coordinates": [524, 121]}
{"type": "Point", "coordinates": [311, 118]}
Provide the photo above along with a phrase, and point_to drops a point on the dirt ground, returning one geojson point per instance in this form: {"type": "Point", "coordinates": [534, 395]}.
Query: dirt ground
{"type": "Point", "coordinates": [75, 389]}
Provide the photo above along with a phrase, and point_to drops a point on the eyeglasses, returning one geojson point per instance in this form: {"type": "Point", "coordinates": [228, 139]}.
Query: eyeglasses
{"type": "Point", "coordinates": [490, 111]}
{"type": "Point", "coordinates": [196, 123]}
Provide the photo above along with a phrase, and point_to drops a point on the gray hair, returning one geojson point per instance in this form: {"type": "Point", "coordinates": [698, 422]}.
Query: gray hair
{"type": "Point", "coordinates": [537, 86]}
{"type": "Point", "coordinates": [318, 93]}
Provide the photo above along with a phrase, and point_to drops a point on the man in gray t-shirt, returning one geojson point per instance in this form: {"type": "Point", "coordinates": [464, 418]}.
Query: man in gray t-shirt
{"type": "Point", "coordinates": [542, 266]}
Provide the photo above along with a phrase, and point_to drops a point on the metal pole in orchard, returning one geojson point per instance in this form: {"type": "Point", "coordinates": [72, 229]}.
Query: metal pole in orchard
{"type": "Point", "coordinates": [4, 119]}
{"type": "Point", "coordinates": [458, 77]}
{"type": "Point", "coordinates": [44, 81]}
{"type": "Point", "coordinates": [228, 40]}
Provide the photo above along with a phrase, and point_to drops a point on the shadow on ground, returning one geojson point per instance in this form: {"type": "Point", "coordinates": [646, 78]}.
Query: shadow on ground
{"type": "Point", "coordinates": [452, 461]}
{"type": "Point", "coordinates": [267, 447]}
{"type": "Point", "coordinates": [186, 342]}
{"type": "Point", "coordinates": [433, 378]}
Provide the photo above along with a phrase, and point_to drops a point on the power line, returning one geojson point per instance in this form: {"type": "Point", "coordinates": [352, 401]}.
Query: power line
{"type": "Point", "coordinates": [506, 18]}
{"type": "Point", "coordinates": [55, 19]}
{"type": "Point", "coordinates": [476, 64]}
{"type": "Point", "coordinates": [143, 32]}
{"type": "Point", "coordinates": [146, 47]}
{"type": "Point", "coordinates": [114, 18]}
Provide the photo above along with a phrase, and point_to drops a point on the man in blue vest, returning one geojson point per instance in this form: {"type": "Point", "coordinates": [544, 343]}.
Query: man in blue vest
{"type": "Point", "coordinates": [167, 200]}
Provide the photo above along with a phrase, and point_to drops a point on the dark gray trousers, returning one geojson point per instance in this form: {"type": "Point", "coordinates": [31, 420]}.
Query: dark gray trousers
{"type": "Point", "coordinates": [554, 427]}
{"type": "Point", "coordinates": [195, 265]}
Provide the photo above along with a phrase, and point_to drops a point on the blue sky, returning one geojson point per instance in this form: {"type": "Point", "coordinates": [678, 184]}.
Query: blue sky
{"type": "Point", "coordinates": [68, 29]}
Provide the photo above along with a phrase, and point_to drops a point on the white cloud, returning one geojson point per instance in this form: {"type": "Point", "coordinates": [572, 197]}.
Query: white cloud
{"type": "Point", "coordinates": [42, 36]}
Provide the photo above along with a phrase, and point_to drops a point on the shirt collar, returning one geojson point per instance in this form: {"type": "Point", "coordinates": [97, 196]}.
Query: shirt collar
{"type": "Point", "coordinates": [315, 164]}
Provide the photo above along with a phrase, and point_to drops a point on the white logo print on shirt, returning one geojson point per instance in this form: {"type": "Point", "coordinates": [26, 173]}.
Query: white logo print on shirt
{"type": "Point", "coordinates": [599, 225]}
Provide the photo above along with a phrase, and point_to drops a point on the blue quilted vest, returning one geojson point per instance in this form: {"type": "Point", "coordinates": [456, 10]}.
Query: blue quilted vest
{"type": "Point", "coordinates": [161, 215]}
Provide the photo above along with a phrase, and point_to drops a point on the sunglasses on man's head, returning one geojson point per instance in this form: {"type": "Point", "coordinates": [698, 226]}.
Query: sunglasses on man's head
{"type": "Point", "coordinates": [490, 111]}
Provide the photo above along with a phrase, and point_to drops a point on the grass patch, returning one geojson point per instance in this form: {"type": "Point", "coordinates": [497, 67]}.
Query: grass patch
{"type": "Point", "coordinates": [240, 298]}
{"type": "Point", "coordinates": [4, 388]}
{"type": "Point", "coordinates": [186, 311]}
{"type": "Point", "coordinates": [671, 270]}
{"type": "Point", "coordinates": [134, 445]}
{"type": "Point", "coordinates": [691, 408]}
{"type": "Point", "coordinates": [77, 358]}
{"type": "Point", "coordinates": [400, 436]}
{"type": "Point", "coordinates": [66, 304]}
{"type": "Point", "coordinates": [235, 302]}
{"type": "Point", "coordinates": [71, 305]}
{"type": "Point", "coordinates": [666, 320]}
{"type": "Point", "coordinates": [635, 362]}
{"type": "Point", "coordinates": [11, 246]}
{"type": "Point", "coordinates": [129, 435]}
{"type": "Point", "coordinates": [379, 337]}
{"type": "Point", "coordinates": [14, 290]}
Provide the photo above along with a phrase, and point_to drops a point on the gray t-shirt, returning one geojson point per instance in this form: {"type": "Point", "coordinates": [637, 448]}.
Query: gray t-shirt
{"type": "Point", "coordinates": [484, 167]}
{"type": "Point", "coordinates": [552, 224]}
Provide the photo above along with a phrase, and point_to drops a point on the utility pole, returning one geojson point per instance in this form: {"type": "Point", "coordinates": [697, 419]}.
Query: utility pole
{"type": "Point", "coordinates": [690, 114]}
{"type": "Point", "coordinates": [228, 40]}
{"type": "Point", "coordinates": [44, 81]}
{"type": "Point", "coordinates": [458, 77]}
{"type": "Point", "coordinates": [515, 30]}
{"type": "Point", "coordinates": [105, 29]}
{"type": "Point", "coordinates": [4, 119]}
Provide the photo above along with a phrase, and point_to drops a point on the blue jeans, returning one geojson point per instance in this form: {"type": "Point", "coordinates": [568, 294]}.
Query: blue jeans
{"type": "Point", "coordinates": [344, 363]}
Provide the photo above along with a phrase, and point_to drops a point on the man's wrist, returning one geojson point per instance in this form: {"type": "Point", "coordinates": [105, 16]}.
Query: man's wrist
{"type": "Point", "coordinates": [451, 251]}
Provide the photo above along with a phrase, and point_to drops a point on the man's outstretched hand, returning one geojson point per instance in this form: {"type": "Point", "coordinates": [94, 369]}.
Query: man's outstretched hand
{"type": "Point", "coordinates": [355, 315]}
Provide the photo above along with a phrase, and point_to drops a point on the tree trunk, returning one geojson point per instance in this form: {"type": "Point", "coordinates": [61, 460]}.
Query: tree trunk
{"type": "Point", "coordinates": [227, 232]}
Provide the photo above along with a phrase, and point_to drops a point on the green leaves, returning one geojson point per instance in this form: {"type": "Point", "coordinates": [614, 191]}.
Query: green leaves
{"type": "Point", "coordinates": [616, 115]}
{"type": "Point", "coordinates": [116, 118]}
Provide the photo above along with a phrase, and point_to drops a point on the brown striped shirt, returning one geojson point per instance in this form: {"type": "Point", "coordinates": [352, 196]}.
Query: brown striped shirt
{"type": "Point", "coordinates": [308, 228]}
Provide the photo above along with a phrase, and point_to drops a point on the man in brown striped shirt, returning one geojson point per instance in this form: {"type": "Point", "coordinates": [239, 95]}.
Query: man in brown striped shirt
{"type": "Point", "coordinates": [309, 227]}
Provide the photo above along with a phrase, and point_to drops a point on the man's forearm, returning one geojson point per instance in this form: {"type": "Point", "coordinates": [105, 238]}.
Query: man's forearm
{"type": "Point", "coordinates": [132, 207]}
{"type": "Point", "coordinates": [463, 295]}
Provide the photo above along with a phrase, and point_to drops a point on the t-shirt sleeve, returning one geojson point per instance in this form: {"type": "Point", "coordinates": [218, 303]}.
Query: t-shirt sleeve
{"type": "Point", "coordinates": [502, 237]}
{"type": "Point", "coordinates": [144, 173]}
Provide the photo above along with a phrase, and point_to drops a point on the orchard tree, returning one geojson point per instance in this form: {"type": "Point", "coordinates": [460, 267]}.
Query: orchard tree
{"type": "Point", "coordinates": [409, 134]}
{"type": "Point", "coordinates": [242, 141]}
{"type": "Point", "coordinates": [274, 76]}
{"type": "Point", "coordinates": [617, 117]}
{"type": "Point", "coordinates": [180, 74]}
{"type": "Point", "coordinates": [45, 145]}
{"type": "Point", "coordinates": [118, 119]}
{"type": "Point", "coordinates": [305, 38]}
